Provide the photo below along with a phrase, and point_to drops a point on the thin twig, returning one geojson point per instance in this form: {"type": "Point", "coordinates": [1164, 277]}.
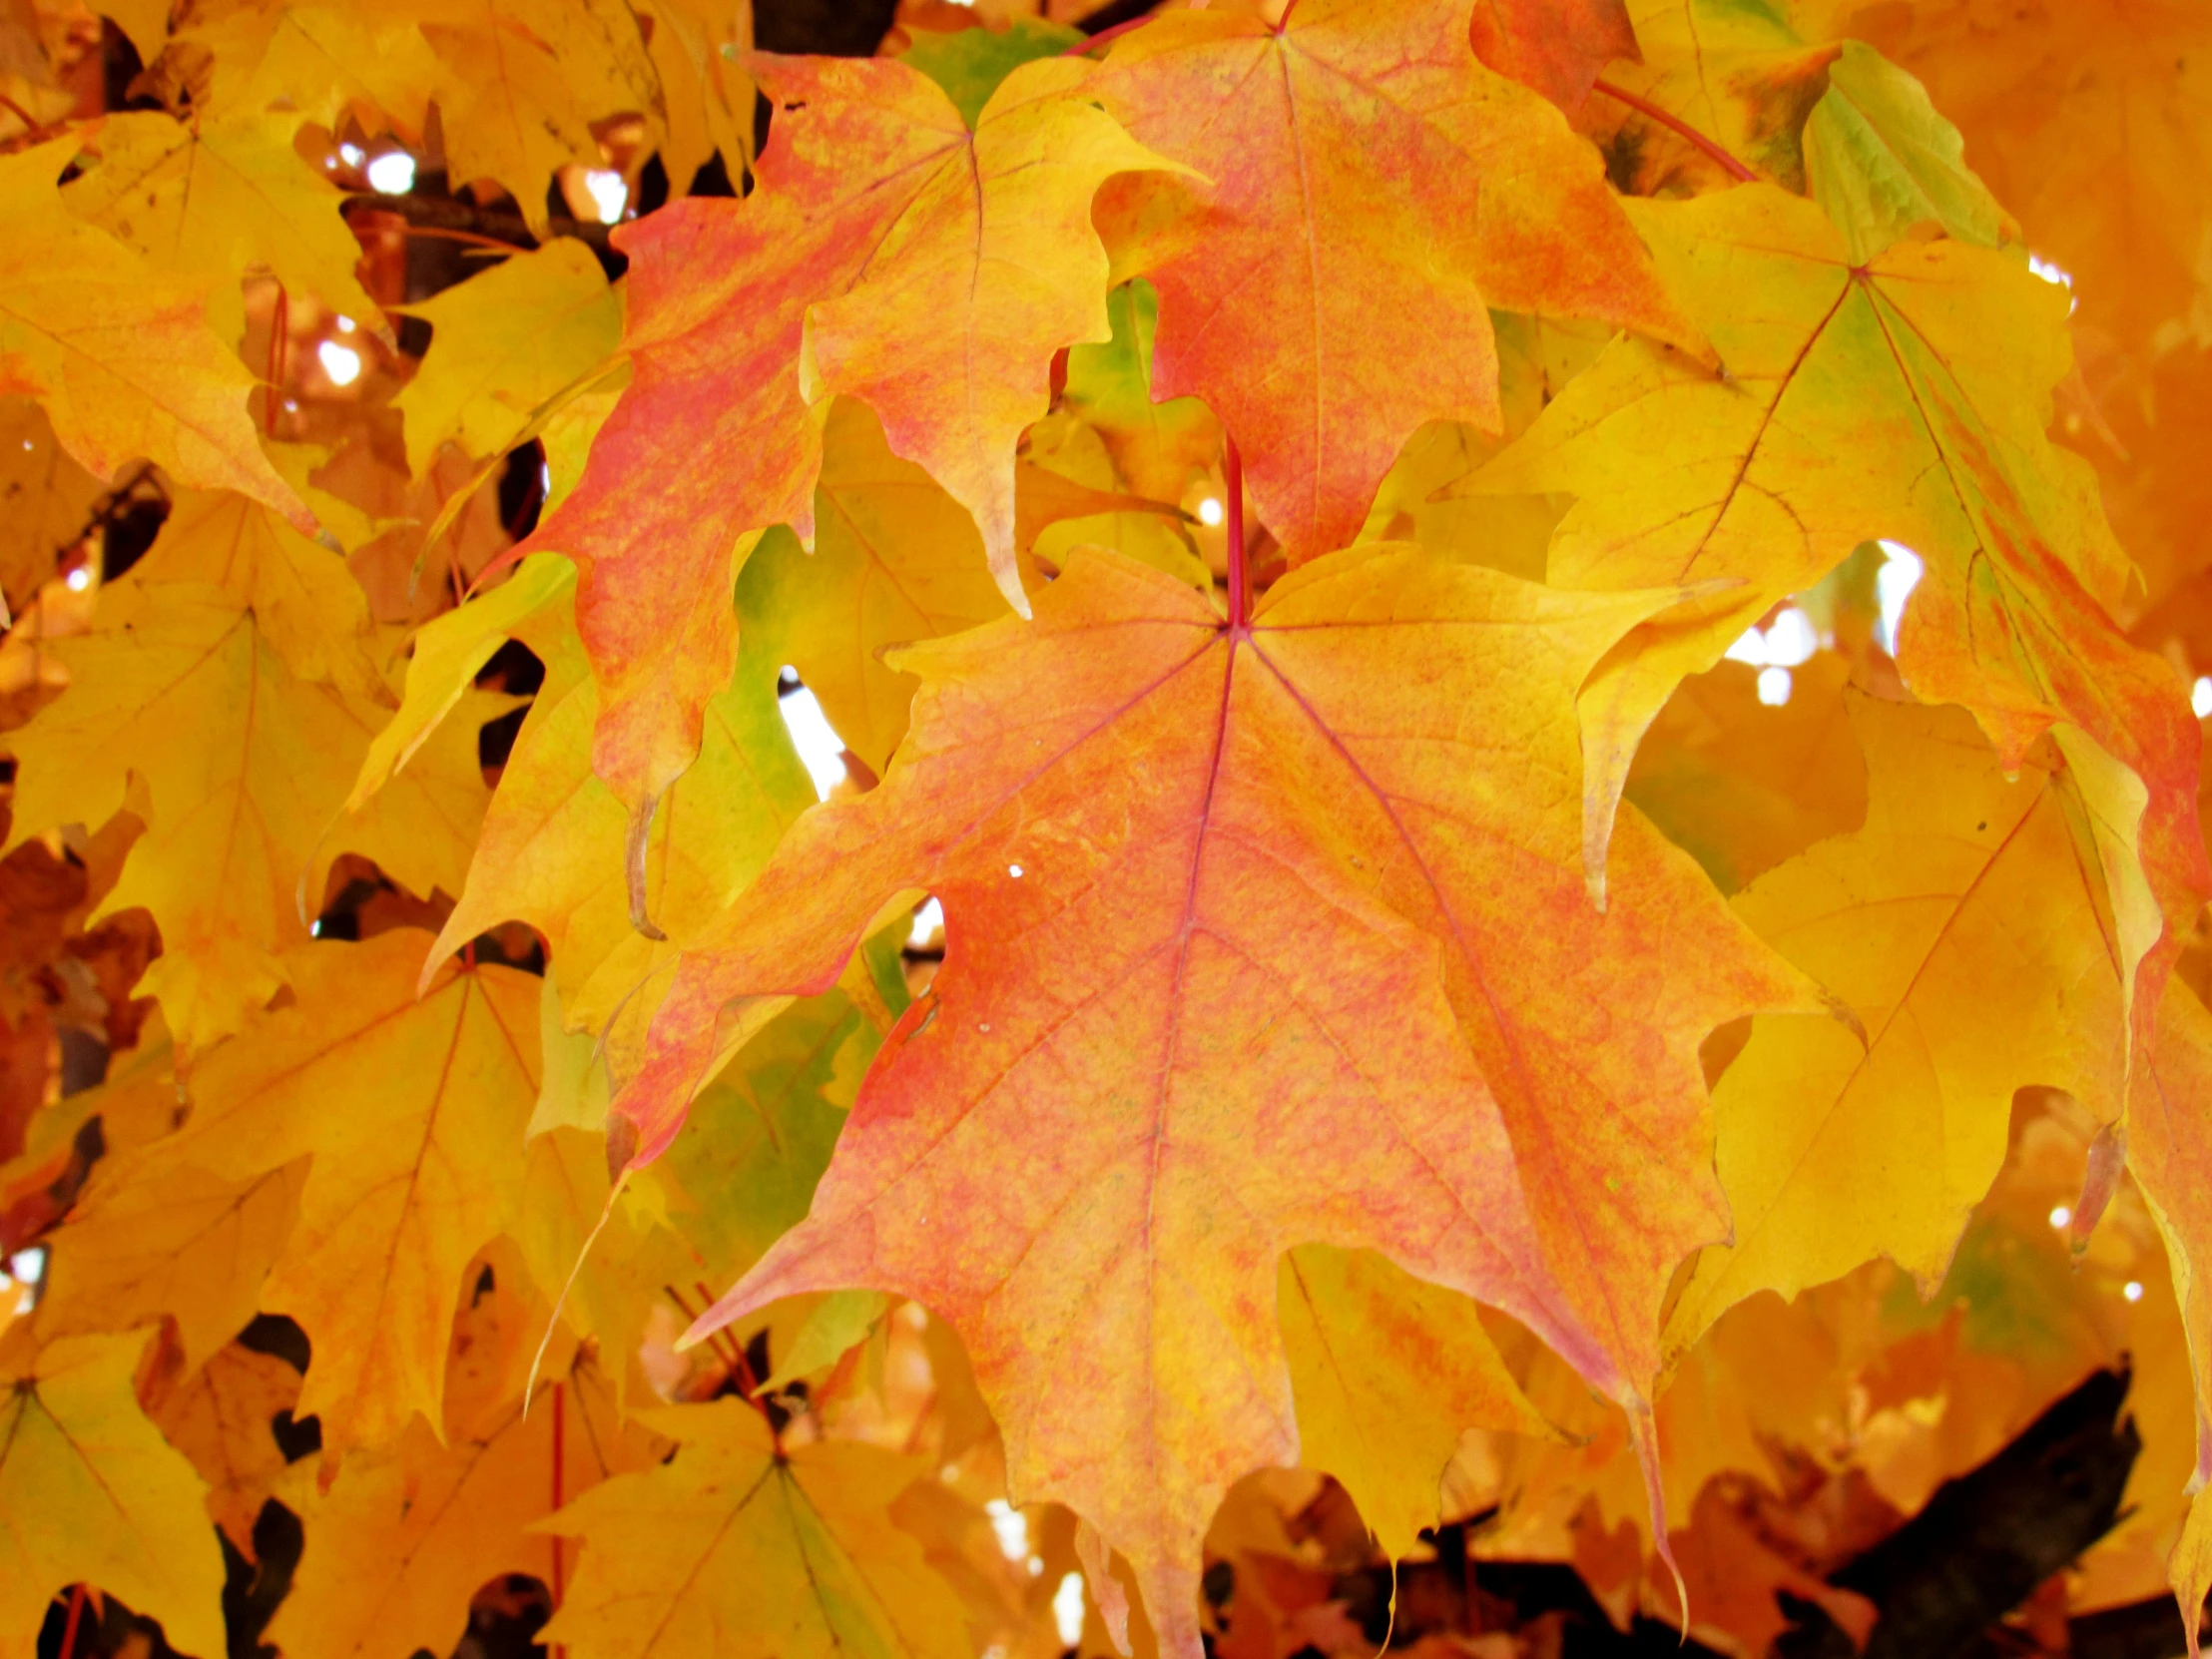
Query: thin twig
{"type": "Point", "coordinates": [497, 227]}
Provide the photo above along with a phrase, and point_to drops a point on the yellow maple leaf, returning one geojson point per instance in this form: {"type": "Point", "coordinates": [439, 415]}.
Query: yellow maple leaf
{"type": "Point", "coordinates": [236, 807]}
{"type": "Point", "coordinates": [895, 560]}
{"type": "Point", "coordinates": [753, 1550]}
{"type": "Point", "coordinates": [523, 80]}
{"type": "Point", "coordinates": [212, 199]}
{"type": "Point", "coordinates": [502, 344]}
{"type": "Point", "coordinates": [154, 1236]}
{"type": "Point", "coordinates": [1967, 928]}
{"type": "Point", "coordinates": [120, 354]}
{"type": "Point", "coordinates": [1388, 1372]}
{"type": "Point", "coordinates": [46, 500]}
{"type": "Point", "coordinates": [221, 1416]}
{"type": "Point", "coordinates": [97, 1497]}
{"type": "Point", "coordinates": [438, 1521]}
{"type": "Point", "coordinates": [413, 1112]}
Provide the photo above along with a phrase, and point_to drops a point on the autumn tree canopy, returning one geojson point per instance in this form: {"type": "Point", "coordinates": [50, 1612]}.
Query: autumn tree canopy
{"type": "Point", "coordinates": [984, 829]}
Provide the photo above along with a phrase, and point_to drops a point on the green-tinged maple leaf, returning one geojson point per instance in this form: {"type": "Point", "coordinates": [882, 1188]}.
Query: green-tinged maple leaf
{"type": "Point", "coordinates": [675, 1559]}
{"type": "Point", "coordinates": [502, 344]}
{"type": "Point", "coordinates": [1858, 402]}
{"type": "Point", "coordinates": [120, 354]}
{"type": "Point", "coordinates": [987, 235]}
{"type": "Point", "coordinates": [94, 1495]}
{"type": "Point", "coordinates": [1967, 927]}
{"type": "Point", "coordinates": [1288, 930]}
{"type": "Point", "coordinates": [1881, 161]}
{"type": "Point", "coordinates": [212, 201]}
{"type": "Point", "coordinates": [1327, 287]}
{"type": "Point", "coordinates": [2092, 123]}
{"type": "Point", "coordinates": [1388, 1373]}
{"type": "Point", "coordinates": [413, 1112]}
{"type": "Point", "coordinates": [554, 850]}
{"type": "Point", "coordinates": [970, 63]}
{"type": "Point", "coordinates": [895, 560]}
{"type": "Point", "coordinates": [1158, 447]}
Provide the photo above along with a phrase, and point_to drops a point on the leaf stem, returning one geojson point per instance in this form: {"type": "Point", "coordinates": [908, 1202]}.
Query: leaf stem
{"type": "Point", "coordinates": [76, 1616]}
{"type": "Point", "coordinates": [1240, 575]}
{"type": "Point", "coordinates": [33, 129]}
{"type": "Point", "coordinates": [1105, 35]}
{"type": "Point", "coordinates": [279, 336]}
{"type": "Point", "coordinates": [559, 1448]}
{"type": "Point", "coordinates": [1676, 124]}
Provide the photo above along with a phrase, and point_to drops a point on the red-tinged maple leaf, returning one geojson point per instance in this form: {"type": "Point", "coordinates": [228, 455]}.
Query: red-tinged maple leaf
{"type": "Point", "coordinates": [1375, 192]}
{"type": "Point", "coordinates": [1258, 934]}
{"type": "Point", "coordinates": [1560, 50]}
{"type": "Point", "coordinates": [934, 280]}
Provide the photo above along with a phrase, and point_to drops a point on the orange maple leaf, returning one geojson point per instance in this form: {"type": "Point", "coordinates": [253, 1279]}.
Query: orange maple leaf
{"type": "Point", "coordinates": [935, 283]}
{"type": "Point", "coordinates": [1376, 191]}
{"type": "Point", "coordinates": [1236, 905]}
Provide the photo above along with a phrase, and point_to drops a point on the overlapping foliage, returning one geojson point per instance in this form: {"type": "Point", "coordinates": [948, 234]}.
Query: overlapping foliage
{"type": "Point", "coordinates": [1499, 815]}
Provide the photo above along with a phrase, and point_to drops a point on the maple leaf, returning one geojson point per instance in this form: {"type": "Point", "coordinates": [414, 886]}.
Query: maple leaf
{"type": "Point", "coordinates": [45, 501]}
{"type": "Point", "coordinates": [121, 1510]}
{"type": "Point", "coordinates": [895, 560]}
{"type": "Point", "coordinates": [505, 343]}
{"type": "Point", "coordinates": [1741, 786]}
{"type": "Point", "coordinates": [217, 199]}
{"type": "Point", "coordinates": [440, 1519]}
{"type": "Point", "coordinates": [152, 1236]}
{"type": "Point", "coordinates": [1388, 1374]}
{"type": "Point", "coordinates": [710, 97]}
{"type": "Point", "coordinates": [1158, 446]}
{"type": "Point", "coordinates": [2090, 123]}
{"type": "Point", "coordinates": [408, 1176]}
{"type": "Point", "coordinates": [271, 674]}
{"type": "Point", "coordinates": [987, 235]}
{"type": "Point", "coordinates": [2171, 1157]}
{"type": "Point", "coordinates": [1332, 290]}
{"type": "Point", "coordinates": [523, 80]}
{"type": "Point", "coordinates": [1282, 777]}
{"type": "Point", "coordinates": [1881, 161]}
{"type": "Point", "coordinates": [448, 652]}
{"type": "Point", "coordinates": [323, 60]}
{"type": "Point", "coordinates": [674, 1558]}
{"type": "Point", "coordinates": [1967, 927]}
{"type": "Point", "coordinates": [221, 1416]}
{"type": "Point", "coordinates": [555, 848]}
{"type": "Point", "coordinates": [1559, 52]}
{"type": "Point", "coordinates": [1860, 402]}
{"type": "Point", "coordinates": [236, 812]}
{"type": "Point", "coordinates": [120, 355]}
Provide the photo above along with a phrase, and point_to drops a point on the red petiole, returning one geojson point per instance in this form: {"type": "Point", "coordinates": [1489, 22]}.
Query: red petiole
{"type": "Point", "coordinates": [1674, 123]}
{"type": "Point", "coordinates": [1240, 575]}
